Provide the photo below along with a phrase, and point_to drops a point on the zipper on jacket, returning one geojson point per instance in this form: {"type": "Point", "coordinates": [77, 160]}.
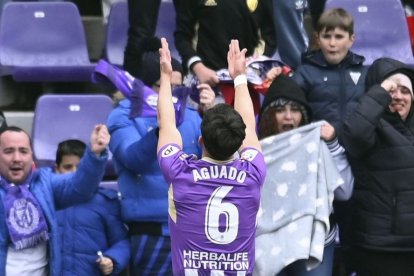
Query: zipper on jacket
{"type": "Point", "coordinates": [393, 213]}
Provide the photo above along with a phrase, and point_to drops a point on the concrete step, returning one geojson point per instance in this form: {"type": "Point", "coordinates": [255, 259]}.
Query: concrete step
{"type": "Point", "coordinates": [22, 119]}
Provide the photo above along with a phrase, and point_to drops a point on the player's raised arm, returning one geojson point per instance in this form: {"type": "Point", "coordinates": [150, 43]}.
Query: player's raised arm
{"type": "Point", "coordinates": [242, 102]}
{"type": "Point", "coordinates": [168, 132]}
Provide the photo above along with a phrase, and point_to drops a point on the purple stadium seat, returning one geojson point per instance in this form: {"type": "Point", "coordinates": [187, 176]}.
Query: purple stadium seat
{"type": "Point", "coordinates": [116, 33]}
{"type": "Point", "coordinates": [43, 42]}
{"type": "Point", "coordinates": [381, 28]}
{"type": "Point", "coordinates": [117, 30]}
{"type": "Point", "coordinates": [61, 117]}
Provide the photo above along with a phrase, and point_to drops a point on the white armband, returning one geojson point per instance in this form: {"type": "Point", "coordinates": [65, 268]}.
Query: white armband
{"type": "Point", "coordinates": [240, 79]}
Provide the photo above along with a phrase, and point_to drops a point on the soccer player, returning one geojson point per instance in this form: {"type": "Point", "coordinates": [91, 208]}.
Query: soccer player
{"type": "Point", "coordinates": [213, 202]}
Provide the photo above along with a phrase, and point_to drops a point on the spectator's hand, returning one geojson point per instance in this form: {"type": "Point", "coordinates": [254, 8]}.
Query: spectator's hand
{"type": "Point", "coordinates": [99, 139]}
{"type": "Point", "coordinates": [207, 96]}
{"type": "Point", "coordinates": [273, 73]}
{"type": "Point", "coordinates": [205, 74]}
{"type": "Point", "coordinates": [236, 59]}
{"type": "Point", "coordinates": [389, 85]}
{"type": "Point", "coordinates": [327, 132]}
{"type": "Point", "coordinates": [165, 59]}
{"type": "Point", "coordinates": [105, 265]}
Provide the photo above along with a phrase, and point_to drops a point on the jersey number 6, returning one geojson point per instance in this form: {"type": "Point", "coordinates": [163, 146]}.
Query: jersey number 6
{"type": "Point", "coordinates": [228, 213]}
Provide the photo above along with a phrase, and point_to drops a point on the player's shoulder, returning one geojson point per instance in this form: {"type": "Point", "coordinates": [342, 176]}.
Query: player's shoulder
{"type": "Point", "coordinates": [250, 154]}
{"type": "Point", "coordinates": [170, 150]}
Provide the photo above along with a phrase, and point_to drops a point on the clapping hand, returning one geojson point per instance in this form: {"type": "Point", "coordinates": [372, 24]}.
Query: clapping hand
{"type": "Point", "coordinates": [99, 139]}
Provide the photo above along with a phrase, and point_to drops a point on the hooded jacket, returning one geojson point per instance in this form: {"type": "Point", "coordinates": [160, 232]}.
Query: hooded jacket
{"type": "Point", "coordinates": [134, 147]}
{"type": "Point", "coordinates": [331, 90]}
{"type": "Point", "coordinates": [381, 152]}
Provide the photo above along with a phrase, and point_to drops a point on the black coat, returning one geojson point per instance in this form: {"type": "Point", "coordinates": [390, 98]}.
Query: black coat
{"type": "Point", "coordinates": [380, 146]}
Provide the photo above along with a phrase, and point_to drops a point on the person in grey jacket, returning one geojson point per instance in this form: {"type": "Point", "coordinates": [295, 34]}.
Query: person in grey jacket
{"type": "Point", "coordinates": [379, 139]}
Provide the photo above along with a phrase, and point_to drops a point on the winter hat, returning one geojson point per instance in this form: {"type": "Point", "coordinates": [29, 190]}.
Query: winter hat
{"type": "Point", "coordinates": [149, 71]}
{"type": "Point", "coordinates": [286, 88]}
{"type": "Point", "coordinates": [281, 92]}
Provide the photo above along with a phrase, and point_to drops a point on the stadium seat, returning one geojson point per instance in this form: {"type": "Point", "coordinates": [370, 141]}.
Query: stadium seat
{"type": "Point", "coordinates": [117, 30]}
{"type": "Point", "coordinates": [116, 33]}
{"type": "Point", "coordinates": [43, 42]}
{"type": "Point", "coordinates": [61, 117]}
{"type": "Point", "coordinates": [381, 28]}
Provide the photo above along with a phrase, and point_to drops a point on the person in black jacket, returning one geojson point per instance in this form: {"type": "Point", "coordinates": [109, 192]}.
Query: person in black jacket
{"type": "Point", "coordinates": [214, 24]}
{"type": "Point", "coordinates": [379, 138]}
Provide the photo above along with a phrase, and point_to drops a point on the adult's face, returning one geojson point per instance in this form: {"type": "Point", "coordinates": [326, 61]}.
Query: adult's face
{"type": "Point", "coordinates": [402, 96]}
{"type": "Point", "coordinates": [287, 117]}
{"type": "Point", "coordinates": [16, 157]}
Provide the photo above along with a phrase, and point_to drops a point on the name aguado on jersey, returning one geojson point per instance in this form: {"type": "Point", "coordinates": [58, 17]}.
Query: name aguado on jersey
{"type": "Point", "coordinates": [217, 211]}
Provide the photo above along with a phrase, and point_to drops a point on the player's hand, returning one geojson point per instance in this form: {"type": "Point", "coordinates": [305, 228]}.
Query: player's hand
{"type": "Point", "coordinates": [105, 265]}
{"type": "Point", "coordinates": [165, 59]}
{"type": "Point", "coordinates": [99, 139]}
{"type": "Point", "coordinates": [236, 59]}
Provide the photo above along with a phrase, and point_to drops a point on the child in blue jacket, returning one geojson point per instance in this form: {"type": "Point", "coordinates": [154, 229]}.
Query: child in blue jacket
{"type": "Point", "coordinates": [94, 239]}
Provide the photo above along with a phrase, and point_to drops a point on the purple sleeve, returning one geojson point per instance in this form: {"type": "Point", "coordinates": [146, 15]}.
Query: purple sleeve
{"type": "Point", "coordinates": [256, 161]}
{"type": "Point", "coordinates": [170, 159]}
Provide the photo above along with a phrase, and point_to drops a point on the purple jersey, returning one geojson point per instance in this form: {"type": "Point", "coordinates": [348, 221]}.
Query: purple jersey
{"type": "Point", "coordinates": [212, 211]}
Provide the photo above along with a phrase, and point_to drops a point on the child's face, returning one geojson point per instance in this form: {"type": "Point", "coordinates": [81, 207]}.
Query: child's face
{"type": "Point", "coordinates": [287, 117]}
{"type": "Point", "coordinates": [335, 44]}
{"type": "Point", "coordinates": [69, 164]}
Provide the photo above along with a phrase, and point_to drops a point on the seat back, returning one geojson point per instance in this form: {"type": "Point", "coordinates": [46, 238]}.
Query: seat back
{"type": "Point", "coordinates": [117, 30]}
{"type": "Point", "coordinates": [166, 25]}
{"type": "Point", "coordinates": [42, 33]}
{"type": "Point", "coordinates": [62, 117]}
{"type": "Point", "coordinates": [116, 33]}
{"type": "Point", "coordinates": [381, 28]}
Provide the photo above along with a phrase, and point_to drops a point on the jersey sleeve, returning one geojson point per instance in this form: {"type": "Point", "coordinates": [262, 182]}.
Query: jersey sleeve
{"type": "Point", "coordinates": [256, 163]}
{"type": "Point", "coordinates": [172, 160]}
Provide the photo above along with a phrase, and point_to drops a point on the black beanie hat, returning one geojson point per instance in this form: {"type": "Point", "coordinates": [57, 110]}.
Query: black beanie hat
{"type": "Point", "coordinates": [149, 71]}
{"type": "Point", "coordinates": [286, 88]}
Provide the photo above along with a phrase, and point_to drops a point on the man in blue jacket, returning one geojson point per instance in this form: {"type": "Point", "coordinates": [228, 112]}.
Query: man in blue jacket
{"type": "Point", "coordinates": [134, 146]}
{"type": "Point", "coordinates": [29, 239]}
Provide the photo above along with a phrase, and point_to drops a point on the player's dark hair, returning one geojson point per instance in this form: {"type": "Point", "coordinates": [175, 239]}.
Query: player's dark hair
{"type": "Point", "coordinates": [223, 131]}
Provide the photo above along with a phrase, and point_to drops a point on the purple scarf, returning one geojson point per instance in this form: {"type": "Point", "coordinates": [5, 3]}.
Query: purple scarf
{"type": "Point", "coordinates": [143, 98]}
{"type": "Point", "coordinates": [24, 217]}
